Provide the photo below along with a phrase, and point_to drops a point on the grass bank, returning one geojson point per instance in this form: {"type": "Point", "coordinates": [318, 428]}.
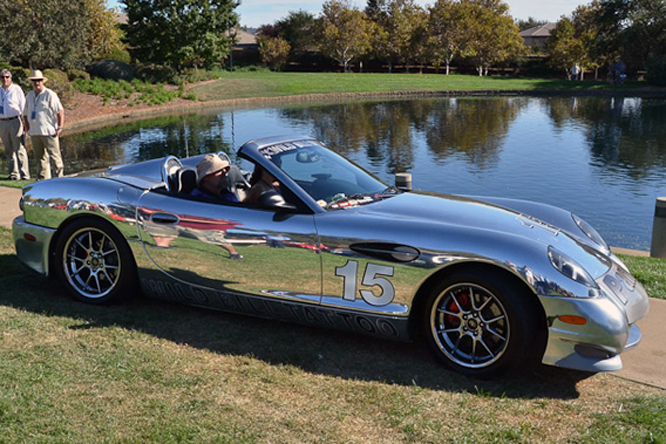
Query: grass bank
{"type": "Point", "coordinates": [242, 84]}
{"type": "Point", "coordinates": [153, 372]}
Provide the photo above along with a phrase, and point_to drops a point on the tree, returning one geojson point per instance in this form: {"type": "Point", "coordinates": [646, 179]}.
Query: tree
{"type": "Point", "coordinates": [421, 50]}
{"type": "Point", "coordinates": [344, 32]}
{"type": "Point", "coordinates": [634, 30]}
{"type": "Point", "coordinates": [51, 33]}
{"type": "Point", "coordinates": [494, 36]}
{"type": "Point", "coordinates": [105, 35]}
{"type": "Point", "coordinates": [449, 29]}
{"type": "Point", "coordinates": [586, 32]}
{"type": "Point", "coordinates": [274, 51]}
{"type": "Point", "coordinates": [298, 29]}
{"type": "Point", "coordinates": [564, 48]}
{"type": "Point", "coordinates": [180, 33]}
{"type": "Point", "coordinates": [376, 11]}
{"type": "Point", "coordinates": [397, 23]}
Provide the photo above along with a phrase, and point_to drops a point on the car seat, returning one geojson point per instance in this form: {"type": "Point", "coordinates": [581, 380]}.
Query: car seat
{"type": "Point", "coordinates": [236, 183]}
{"type": "Point", "coordinates": [183, 181]}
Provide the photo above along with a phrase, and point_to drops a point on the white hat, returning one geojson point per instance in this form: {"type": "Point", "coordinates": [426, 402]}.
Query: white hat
{"type": "Point", "coordinates": [210, 164]}
{"type": "Point", "coordinates": [37, 75]}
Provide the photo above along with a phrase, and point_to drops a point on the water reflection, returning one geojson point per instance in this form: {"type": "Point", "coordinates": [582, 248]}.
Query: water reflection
{"type": "Point", "coordinates": [603, 158]}
{"type": "Point", "coordinates": [136, 141]}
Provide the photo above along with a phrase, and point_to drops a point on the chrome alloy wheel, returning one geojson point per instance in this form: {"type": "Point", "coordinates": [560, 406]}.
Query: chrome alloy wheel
{"type": "Point", "coordinates": [91, 262]}
{"type": "Point", "coordinates": [470, 325]}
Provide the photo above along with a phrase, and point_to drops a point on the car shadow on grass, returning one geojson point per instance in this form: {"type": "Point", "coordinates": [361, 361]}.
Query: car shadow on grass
{"type": "Point", "coordinates": [314, 350]}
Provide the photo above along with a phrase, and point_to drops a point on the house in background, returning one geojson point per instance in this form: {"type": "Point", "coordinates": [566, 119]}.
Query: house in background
{"type": "Point", "coordinates": [244, 40]}
{"type": "Point", "coordinates": [121, 18]}
{"type": "Point", "coordinates": [537, 37]}
{"type": "Point", "coordinates": [245, 50]}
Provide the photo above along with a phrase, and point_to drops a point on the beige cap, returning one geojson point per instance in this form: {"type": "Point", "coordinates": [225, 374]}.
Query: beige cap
{"type": "Point", "coordinates": [37, 75]}
{"type": "Point", "coordinates": [210, 164]}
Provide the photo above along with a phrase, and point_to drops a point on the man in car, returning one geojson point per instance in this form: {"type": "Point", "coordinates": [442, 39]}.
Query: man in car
{"type": "Point", "coordinates": [212, 184]}
{"type": "Point", "coordinates": [212, 179]}
{"type": "Point", "coordinates": [261, 182]}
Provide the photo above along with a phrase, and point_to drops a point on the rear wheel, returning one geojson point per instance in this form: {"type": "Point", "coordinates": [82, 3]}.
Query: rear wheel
{"type": "Point", "coordinates": [94, 262]}
{"type": "Point", "coordinates": [480, 324]}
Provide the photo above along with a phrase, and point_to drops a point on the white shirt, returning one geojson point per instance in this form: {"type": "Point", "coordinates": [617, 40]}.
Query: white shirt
{"type": "Point", "coordinates": [12, 101]}
{"type": "Point", "coordinates": [41, 112]}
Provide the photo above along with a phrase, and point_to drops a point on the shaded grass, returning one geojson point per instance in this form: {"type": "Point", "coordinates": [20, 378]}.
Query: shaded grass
{"type": "Point", "coordinates": [270, 84]}
{"type": "Point", "coordinates": [156, 372]}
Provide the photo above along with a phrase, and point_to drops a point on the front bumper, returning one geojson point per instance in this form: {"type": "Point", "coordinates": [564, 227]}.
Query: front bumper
{"type": "Point", "coordinates": [610, 328]}
{"type": "Point", "coordinates": [32, 244]}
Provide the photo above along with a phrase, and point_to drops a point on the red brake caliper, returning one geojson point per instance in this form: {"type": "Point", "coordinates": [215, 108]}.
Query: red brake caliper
{"type": "Point", "coordinates": [463, 301]}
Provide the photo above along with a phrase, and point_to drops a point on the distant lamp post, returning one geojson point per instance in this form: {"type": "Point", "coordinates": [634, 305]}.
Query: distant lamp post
{"type": "Point", "coordinates": [232, 39]}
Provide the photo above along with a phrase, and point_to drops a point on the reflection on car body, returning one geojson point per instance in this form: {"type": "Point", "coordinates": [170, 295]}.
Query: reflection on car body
{"type": "Point", "coordinates": [488, 283]}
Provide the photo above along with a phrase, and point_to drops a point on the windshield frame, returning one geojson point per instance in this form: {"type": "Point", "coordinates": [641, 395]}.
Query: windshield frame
{"type": "Point", "coordinates": [263, 151]}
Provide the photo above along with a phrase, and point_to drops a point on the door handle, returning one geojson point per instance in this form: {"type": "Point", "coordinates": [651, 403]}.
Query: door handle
{"type": "Point", "coordinates": [164, 219]}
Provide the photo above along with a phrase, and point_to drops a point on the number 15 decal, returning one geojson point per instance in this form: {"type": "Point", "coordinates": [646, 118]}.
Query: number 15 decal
{"type": "Point", "coordinates": [371, 278]}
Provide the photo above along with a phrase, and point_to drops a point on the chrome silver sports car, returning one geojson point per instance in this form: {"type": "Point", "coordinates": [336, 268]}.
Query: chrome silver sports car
{"type": "Point", "coordinates": [487, 283]}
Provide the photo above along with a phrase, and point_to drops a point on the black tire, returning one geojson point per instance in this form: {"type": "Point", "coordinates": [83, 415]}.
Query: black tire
{"type": "Point", "coordinates": [94, 262]}
{"type": "Point", "coordinates": [481, 324]}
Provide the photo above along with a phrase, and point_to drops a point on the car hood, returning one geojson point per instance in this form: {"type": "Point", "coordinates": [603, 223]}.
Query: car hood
{"type": "Point", "coordinates": [466, 220]}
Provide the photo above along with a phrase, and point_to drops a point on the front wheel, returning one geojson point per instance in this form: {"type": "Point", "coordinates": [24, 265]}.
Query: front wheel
{"type": "Point", "coordinates": [94, 262]}
{"type": "Point", "coordinates": [480, 324]}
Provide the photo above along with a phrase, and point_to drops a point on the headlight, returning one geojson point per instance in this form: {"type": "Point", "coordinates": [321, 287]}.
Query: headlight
{"type": "Point", "coordinates": [570, 268]}
{"type": "Point", "coordinates": [590, 232]}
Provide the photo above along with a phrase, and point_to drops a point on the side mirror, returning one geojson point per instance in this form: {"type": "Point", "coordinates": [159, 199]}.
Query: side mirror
{"type": "Point", "coordinates": [272, 200]}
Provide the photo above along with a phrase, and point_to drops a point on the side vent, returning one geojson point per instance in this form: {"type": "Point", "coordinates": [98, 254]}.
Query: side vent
{"type": "Point", "coordinates": [386, 251]}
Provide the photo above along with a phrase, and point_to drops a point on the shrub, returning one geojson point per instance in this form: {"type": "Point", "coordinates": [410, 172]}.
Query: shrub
{"type": "Point", "coordinates": [197, 75]}
{"type": "Point", "coordinates": [142, 91]}
{"type": "Point", "coordinates": [251, 68]}
{"type": "Point", "coordinates": [274, 51]}
{"type": "Point", "coordinates": [157, 74]}
{"type": "Point", "coordinates": [74, 74]}
{"type": "Point", "coordinates": [656, 70]}
{"type": "Point", "coordinates": [117, 54]}
{"type": "Point", "coordinates": [19, 75]}
{"type": "Point", "coordinates": [111, 69]}
{"type": "Point", "coordinates": [56, 77]}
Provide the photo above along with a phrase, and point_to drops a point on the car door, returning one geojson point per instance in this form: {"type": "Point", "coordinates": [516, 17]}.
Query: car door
{"type": "Point", "coordinates": [231, 249]}
{"type": "Point", "coordinates": [367, 273]}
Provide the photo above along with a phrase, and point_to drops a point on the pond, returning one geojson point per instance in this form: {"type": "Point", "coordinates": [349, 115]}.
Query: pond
{"type": "Point", "coordinates": [602, 158]}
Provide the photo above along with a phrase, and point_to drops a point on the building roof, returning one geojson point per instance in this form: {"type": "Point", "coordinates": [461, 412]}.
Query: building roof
{"type": "Point", "coordinates": [244, 37]}
{"type": "Point", "coordinates": [121, 18]}
{"type": "Point", "coordinates": [539, 31]}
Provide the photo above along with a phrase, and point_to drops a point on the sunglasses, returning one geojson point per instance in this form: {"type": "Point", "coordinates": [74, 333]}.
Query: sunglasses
{"type": "Point", "coordinates": [37, 80]}
{"type": "Point", "coordinates": [6, 77]}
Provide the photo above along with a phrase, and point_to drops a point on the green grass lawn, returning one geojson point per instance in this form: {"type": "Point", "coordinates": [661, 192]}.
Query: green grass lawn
{"type": "Point", "coordinates": [241, 84]}
{"type": "Point", "coordinates": [651, 272]}
{"type": "Point", "coordinates": [155, 372]}
{"type": "Point", "coordinates": [15, 183]}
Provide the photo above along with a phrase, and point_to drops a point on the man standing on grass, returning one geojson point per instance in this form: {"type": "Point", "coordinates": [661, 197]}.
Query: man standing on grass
{"type": "Point", "coordinates": [44, 118]}
{"type": "Point", "coordinates": [12, 103]}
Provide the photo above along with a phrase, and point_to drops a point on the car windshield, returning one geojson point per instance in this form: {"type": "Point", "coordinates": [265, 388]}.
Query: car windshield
{"type": "Point", "coordinates": [330, 179]}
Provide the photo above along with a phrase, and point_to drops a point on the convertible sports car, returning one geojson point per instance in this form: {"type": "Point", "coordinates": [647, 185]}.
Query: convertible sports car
{"type": "Point", "coordinates": [489, 284]}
